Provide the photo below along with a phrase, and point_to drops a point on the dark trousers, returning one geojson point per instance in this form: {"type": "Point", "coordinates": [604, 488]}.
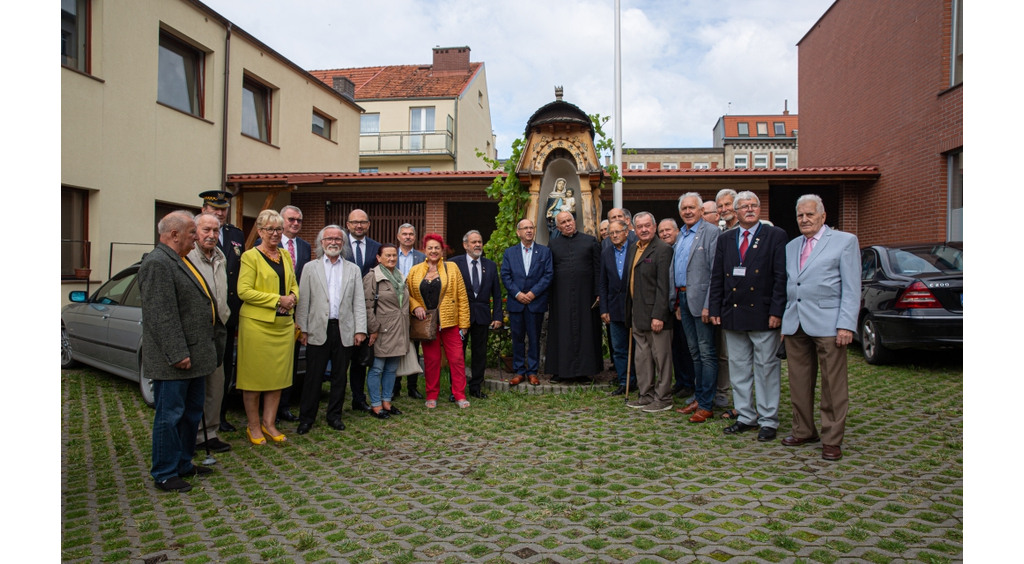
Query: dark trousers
{"type": "Point", "coordinates": [357, 379]}
{"type": "Point", "coordinates": [526, 325]}
{"type": "Point", "coordinates": [286, 394]}
{"type": "Point", "coordinates": [317, 357]}
{"type": "Point", "coordinates": [682, 362]}
{"type": "Point", "coordinates": [177, 414]}
{"type": "Point", "coordinates": [478, 348]}
{"type": "Point", "coordinates": [229, 369]}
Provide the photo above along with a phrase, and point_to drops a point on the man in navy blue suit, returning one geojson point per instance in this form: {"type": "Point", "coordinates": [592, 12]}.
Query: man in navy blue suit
{"type": "Point", "coordinates": [612, 286]}
{"type": "Point", "coordinates": [364, 255]}
{"type": "Point", "coordinates": [526, 271]}
{"type": "Point", "coordinates": [300, 251]}
{"type": "Point", "coordinates": [485, 312]}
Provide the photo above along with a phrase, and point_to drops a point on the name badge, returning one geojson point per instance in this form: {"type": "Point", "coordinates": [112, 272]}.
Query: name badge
{"type": "Point", "coordinates": [739, 271]}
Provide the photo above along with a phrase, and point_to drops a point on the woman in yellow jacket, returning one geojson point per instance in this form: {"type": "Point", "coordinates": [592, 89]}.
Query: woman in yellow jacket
{"type": "Point", "coordinates": [266, 327]}
{"type": "Point", "coordinates": [432, 284]}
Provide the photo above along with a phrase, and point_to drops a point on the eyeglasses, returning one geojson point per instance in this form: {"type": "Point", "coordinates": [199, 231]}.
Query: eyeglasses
{"type": "Point", "coordinates": [359, 222]}
{"type": "Point", "coordinates": [273, 230]}
{"type": "Point", "coordinates": [294, 219]}
{"type": "Point", "coordinates": [747, 207]}
{"type": "Point", "coordinates": [332, 239]}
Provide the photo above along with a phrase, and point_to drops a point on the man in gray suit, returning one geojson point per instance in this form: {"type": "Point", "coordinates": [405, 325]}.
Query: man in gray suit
{"type": "Point", "coordinates": [331, 316]}
{"type": "Point", "coordinates": [823, 299]}
{"type": "Point", "coordinates": [693, 254]}
{"type": "Point", "coordinates": [182, 344]}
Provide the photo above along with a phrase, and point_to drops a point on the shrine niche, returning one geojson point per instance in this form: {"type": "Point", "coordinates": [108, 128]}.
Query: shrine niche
{"type": "Point", "coordinates": [561, 168]}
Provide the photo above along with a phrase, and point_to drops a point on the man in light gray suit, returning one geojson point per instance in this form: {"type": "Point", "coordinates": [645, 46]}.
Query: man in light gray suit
{"type": "Point", "coordinates": [823, 298]}
{"type": "Point", "coordinates": [331, 316]}
{"type": "Point", "coordinates": [693, 255]}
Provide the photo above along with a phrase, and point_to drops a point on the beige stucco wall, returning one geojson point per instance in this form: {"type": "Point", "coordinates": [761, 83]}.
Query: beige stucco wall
{"type": "Point", "coordinates": [474, 125]}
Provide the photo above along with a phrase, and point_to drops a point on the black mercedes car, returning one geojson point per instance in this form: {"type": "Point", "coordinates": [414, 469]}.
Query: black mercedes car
{"type": "Point", "coordinates": [912, 296]}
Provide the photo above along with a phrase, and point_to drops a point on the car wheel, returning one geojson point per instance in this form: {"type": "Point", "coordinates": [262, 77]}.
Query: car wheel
{"type": "Point", "coordinates": [870, 342]}
{"type": "Point", "coordinates": [146, 387]}
{"type": "Point", "coordinates": [66, 359]}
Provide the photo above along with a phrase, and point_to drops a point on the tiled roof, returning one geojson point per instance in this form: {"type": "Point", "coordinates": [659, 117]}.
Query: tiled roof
{"type": "Point", "coordinates": [792, 122]}
{"type": "Point", "coordinates": [781, 173]}
{"type": "Point", "coordinates": [401, 81]}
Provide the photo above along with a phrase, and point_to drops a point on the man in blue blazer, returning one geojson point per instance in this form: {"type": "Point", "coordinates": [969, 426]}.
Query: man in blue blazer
{"type": "Point", "coordinates": [408, 257]}
{"type": "Point", "coordinates": [823, 301]}
{"type": "Point", "coordinates": [612, 285]}
{"type": "Point", "coordinates": [526, 271]}
{"type": "Point", "coordinates": [363, 252]}
{"type": "Point", "coordinates": [483, 288]}
{"type": "Point", "coordinates": [747, 298]}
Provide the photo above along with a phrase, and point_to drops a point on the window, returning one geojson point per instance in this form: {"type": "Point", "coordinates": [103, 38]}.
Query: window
{"type": "Point", "coordinates": [762, 129]}
{"type": "Point", "coordinates": [180, 77]}
{"type": "Point", "coordinates": [367, 169]}
{"type": "Point", "coordinates": [369, 124]}
{"type": "Point", "coordinates": [421, 120]}
{"type": "Point", "coordinates": [480, 98]}
{"type": "Point", "coordinates": [744, 129]}
{"type": "Point", "coordinates": [760, 160]}
{"type": "Point", "coordinates": [739, 161]}
{"type": "Point", "coordinates": [700, 166]}
{"type": "Point", "coordinates": [955, 223]}
{"type": "Point", "coordinates": [637, 166]}
{"type": "Point", "coordinates": [780, 129]}
{"type": "Point", "coordinates": [255, 110]}
{"type": "Point", "coordinates": [74, 213]}
{"type": "Point", "coordinates": [781, 161]}
{"type": "Point", "coordinates": [74, 34]}
{"type": "Point", "coordinates": [419, 169]}
{"type": "Point", "coordinates": [670, 166]}
{"type": "Point", "coordinates": [868, 264]}
{"type": "Point", "coordinates": [957, 44]}
{"type": "Point", "coordinates": [321, 125]}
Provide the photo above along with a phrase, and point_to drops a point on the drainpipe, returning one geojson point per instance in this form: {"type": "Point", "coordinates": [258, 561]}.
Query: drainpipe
{"type": "Point", "coordinates": [224, 119]}
{"type": "Point", "coordinates": [455, 137]}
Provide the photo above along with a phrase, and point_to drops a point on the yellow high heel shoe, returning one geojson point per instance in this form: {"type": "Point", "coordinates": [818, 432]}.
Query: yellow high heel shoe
{"type": "Point", "coordinates": [259, 441]}
{"type": "Point", "coordinates": [278, 439]}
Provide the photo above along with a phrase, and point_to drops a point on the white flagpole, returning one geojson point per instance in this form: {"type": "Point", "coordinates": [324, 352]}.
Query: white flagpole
{"type": "Point", "coordinates": [617, 152]}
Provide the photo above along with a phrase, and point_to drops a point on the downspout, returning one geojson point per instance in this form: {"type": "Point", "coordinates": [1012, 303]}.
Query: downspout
{"type": "Point", "coordinates": [224, 120]}
{"type": "Point", "coordinates": [455, 136]}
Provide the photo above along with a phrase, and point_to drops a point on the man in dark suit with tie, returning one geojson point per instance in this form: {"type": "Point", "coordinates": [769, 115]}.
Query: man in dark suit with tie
{"type": "Point", "coordinates": [485, 312]}
{"type": "Point", "coordinates": [301, 252]}
{"type": "Point", "coordinates": [231, 241]}
{"type": "Point", "coordinates": [364, 255]}
{"type": "Point", "coordinates": [747, 298]}
{"type": "Point", "coordinates": [612, 286]}
{"type": "Point", "coordinates": [526, 271]}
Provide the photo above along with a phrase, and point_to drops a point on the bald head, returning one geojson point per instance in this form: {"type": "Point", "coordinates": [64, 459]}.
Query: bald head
{"type": "Point", "coordinates": [566, 224]}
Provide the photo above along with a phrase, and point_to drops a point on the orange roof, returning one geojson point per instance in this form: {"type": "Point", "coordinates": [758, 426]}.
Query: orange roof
{"type": "Point", "coordinates": [402, 81]}
{"type": "Point", "coordinates": [792, 122]}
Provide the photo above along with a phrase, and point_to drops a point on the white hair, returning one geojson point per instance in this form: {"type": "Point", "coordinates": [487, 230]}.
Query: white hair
{"type": "Point", "coordinates": [174, 221]}
{"type": "Point", "coordinates": [346, 251]}
{"type": "Point", "coordinates": [644, 214]}
{"type": "Point", "coordinates": [406, 226]}
{"type": "Point", "coordinates": [725, 192]}
{"type": "Point", "coordinates": [810, 198]}
{"type": "Point", "coordinates": [745, 195]}
{"type": "Point", "coordinates": [465, 238]}
{"type": "Point", "coordinates": [291, 207]}
{"type": "Point", "coordinates": [700, 202]}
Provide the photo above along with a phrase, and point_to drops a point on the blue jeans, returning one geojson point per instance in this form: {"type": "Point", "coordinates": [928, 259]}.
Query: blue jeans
{"type": "Point", "coordinates": [179, 410]}
{"type": "Point", "coordinates": [700, 338]}
{"type": "Point", "coordinates": [381, 387]}
{"type": "Point", "coordinates": [620, 353]}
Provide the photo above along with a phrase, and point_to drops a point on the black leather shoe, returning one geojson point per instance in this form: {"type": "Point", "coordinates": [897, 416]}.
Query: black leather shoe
{"type": "Point", "coordinates": [286, 415]}
{"type": "Point", "coordinates": [413, 393]}
{"type": "Point", "coordinates": [214, 444]}
{"type": "Point", "coordinates": [174, 484]}
{"type": "Point", "coordinates": [336, 425]}
{"type": "Point", "coordinates": [451, 398]}
{"type": "Point", "coordinates": [397, 390]}
{"type": "Point", "coordinates": [395, 411]}
{"type": "Point", "coordinates": [621, 390]}
{"type": "Point", "coordinates": [766, 434]}
{"type": "Point", "coordinates": [361, 406]}
{"type": "Point", "coordinates": [226, 427]}
{"type": "Point", "coordinates": [478, 394]}
{"type": "Point", "coordinates": [382, 414]}
{"type": "Point", "coordinates": [303, 428]}
{"type": "Point", "coordinates": [738, 427]}
{"type": "Point", "coordinates": [196, 471]}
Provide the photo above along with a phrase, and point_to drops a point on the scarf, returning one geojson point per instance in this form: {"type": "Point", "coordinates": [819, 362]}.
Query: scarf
{"type": "Point", "coordinates": [395, 277]}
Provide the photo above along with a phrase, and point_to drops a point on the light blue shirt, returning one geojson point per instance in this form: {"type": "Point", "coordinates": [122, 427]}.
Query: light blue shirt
{"type": "Point", "coordinates": [405, 261]}
{"type": "Point", "coordinates": [620, 257]}
{"type": "Point", "coordinates": [527, 256]}
{"type": "Point", "coordinates": [681, 254]}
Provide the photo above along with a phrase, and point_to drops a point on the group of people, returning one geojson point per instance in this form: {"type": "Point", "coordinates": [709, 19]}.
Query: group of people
{"type": "Point", "coordinates": [675, 303]}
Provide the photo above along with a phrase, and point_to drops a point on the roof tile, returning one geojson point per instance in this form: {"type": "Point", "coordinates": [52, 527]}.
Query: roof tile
{"type": "Point", "coordinates": [401, 81]}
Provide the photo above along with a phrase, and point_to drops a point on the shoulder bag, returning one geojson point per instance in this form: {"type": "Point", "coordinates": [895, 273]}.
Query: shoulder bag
{"type": "Point", "coordinates": [426, 329]}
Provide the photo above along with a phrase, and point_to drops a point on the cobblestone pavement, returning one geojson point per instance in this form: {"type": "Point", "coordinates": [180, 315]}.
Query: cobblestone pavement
{"type": "Point", "coordinates": [573, 477]}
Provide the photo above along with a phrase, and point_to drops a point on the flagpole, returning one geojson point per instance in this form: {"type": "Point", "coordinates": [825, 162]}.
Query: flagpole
{"type": "Point", "coordinates": [617, 151]}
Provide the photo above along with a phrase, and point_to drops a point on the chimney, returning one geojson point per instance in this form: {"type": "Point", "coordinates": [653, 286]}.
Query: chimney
{"type": "Point", "coordinates": [450, 60]}
{"type": "Point", "coordinates": [785, 108]}
{"type": "Point", "coordinates": [345, 87]}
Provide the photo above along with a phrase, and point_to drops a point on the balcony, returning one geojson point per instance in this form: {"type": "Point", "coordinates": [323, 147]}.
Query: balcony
{"type": "Point", "coordinates": [407, 143]}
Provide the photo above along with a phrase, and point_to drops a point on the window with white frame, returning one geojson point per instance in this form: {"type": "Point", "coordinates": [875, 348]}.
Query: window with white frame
{"type": "Point", "coordinates": [74, 34]}
{"type": "Point", "coordinates": [700, 166]}
{"type": "Point", "coordinates": [637, 166]}
{"type": "Point", "coordinates": [369, 124]}
{"type": "Point", "coordinates": [739, 161]}
{"type": "Point", "coordinates": [781, 161]}
{"type": "Point", "coordinates": [367, 169]}
{"type": "Point", "coordinates": [762, 128]}
{"type": "Point", "coordinates": [419, 169]}
{"type": "Point", "coordinates": [743, 128]}
{"type": "Point", "coordinates": [670, 166]}
{"type": "Point", "coordinates": [760, 160]}
{"type": "Point", "coordinates": [421, 120]}
{"type": "Point", "coordinates": [780, 129]}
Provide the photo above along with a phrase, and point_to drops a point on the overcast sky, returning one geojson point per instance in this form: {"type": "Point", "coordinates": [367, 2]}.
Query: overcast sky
{"type": "Point", "coordinates": [683, 61]}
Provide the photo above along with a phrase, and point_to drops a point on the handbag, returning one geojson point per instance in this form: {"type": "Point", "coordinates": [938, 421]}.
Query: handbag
{"type": "Point", "coordinates": [410, 363]}
{"type": "Point", "coordinates": [426, 329]}
{"type": "Point", "coordinates": [364, 354]}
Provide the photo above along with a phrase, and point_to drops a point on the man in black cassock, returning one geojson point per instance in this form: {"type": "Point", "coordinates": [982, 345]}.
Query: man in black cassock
{"type": "Point", "coordinates": [574, 326]}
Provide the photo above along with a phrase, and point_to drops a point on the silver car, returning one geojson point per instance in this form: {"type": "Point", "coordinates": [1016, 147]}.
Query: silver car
{"type": "Point", "coordinates": [105, 330]}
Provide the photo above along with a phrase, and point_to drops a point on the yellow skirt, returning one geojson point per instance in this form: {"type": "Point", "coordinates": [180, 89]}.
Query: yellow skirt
{"type": "Point", "coordinates": [265, 354]}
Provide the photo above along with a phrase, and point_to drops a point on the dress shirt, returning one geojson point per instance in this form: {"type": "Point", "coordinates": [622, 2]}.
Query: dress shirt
{"type": "Point", "coordinates": [362, 248]}
{"type": "Point", "coordinates": [753, 235]}
{"type": "Point", "coordinates": [812, 241]}
{"type": "Point", "coordinates": [334, 271]}
{"type": "Point", "coordinates": [404, 261]}
{"type": "Point", "coordinates": [681, 258]}
{"type": "Point", "coordinates": [620, 257]}
{"type": "Point", "coordinates": [527, 256]}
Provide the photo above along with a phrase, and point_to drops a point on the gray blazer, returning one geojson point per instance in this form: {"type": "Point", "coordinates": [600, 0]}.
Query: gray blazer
{"type": "Point", "coordinates": [314, 307]}
{"type": "Point", "coordinates": [698, 269]}
{"type": "Point", "coordinates": [825, 295]}
{"type": "Point", "coordinates": [177, 320]}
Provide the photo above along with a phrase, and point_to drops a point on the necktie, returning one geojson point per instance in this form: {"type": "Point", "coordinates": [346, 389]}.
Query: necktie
{"type": "Point", "coordinates": [805, 253]}
{"type": "Point", "coordinates": [359, 254]}
{"type": "Point", "coordinates": [744, 244]}
{"type": "Point", "coordinates": [291, 249]}
{"type": "Point", "coordinates": [475, 278]}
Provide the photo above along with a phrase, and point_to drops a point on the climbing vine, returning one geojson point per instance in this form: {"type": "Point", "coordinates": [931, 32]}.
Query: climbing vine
{"type": "Point", "coordinates": [512, 201]}
{"type": "Point", "coordinates": [603, 143]}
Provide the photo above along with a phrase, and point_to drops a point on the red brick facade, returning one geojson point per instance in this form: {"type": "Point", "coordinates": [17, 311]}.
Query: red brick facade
{"type": "Point", "coordinates": [874, 90]}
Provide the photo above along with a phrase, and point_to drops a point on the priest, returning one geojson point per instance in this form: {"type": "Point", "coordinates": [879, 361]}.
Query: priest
{"type": "Point", "coordinates": [574, 327]}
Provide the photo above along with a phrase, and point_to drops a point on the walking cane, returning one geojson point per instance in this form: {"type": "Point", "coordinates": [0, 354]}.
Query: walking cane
{"type": "Point", "coordinates": [629, 363]}
{"type": "Point", "coordinates": [206, 441]}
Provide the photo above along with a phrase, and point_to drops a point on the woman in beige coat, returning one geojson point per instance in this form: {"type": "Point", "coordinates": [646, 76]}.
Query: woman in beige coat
{"type": "Point", "coordinates": [387, 320]}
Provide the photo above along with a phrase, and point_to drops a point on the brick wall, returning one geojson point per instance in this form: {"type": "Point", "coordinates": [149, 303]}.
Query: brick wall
{"type": "Point", "coordinates": [873, 82]}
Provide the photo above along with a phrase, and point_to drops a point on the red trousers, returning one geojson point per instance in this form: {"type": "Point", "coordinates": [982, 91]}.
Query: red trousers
{"type": "Point", "coordinates": [456, 363]}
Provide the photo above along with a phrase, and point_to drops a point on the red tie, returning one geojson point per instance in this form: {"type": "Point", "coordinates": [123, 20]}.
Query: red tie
{"type": "Point", "coordinates": [743, 245]}
{"type": "Point", "coordinates": [291, 248]}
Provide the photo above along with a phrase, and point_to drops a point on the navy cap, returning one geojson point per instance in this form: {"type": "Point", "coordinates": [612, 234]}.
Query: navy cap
{"type": "Point", "coordinates": [216, 198]}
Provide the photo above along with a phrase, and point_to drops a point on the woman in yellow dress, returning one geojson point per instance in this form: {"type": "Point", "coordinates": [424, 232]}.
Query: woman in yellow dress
{"type": "Point", "coordinates": [266, 327]}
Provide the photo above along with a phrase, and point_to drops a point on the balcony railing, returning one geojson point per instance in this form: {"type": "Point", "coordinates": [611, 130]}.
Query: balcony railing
{"type": "Point", "coordinates": [407, 143]}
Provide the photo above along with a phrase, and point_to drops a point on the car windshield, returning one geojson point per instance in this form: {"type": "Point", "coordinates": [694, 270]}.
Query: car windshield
{"type": "Point", "coordinates": [925, 259]}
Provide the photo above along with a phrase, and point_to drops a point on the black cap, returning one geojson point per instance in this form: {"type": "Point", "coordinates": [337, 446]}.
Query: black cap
{"type": "Point", "coordinates": [216, 198]}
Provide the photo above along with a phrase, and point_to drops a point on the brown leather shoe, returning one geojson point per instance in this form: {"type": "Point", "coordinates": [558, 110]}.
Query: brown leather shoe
{"type": "Point", "coordinates": [831, 452]}
{"type": "Point", "coordinates": [701, 416]}
{"type": "Point", "coordinates": [534, 381]}
{"type": "Point", "coordinates": [793, 441]}
{"type": "Point", "coordinates": [517, 380]}
{"type": "Point", "coordinates": [689, 409]}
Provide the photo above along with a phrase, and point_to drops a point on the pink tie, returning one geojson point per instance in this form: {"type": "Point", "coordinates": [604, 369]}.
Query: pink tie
{"type": "Point", "coordinates": [291, 248]}
{"type": "Point", "coordinates": [806, 253]}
